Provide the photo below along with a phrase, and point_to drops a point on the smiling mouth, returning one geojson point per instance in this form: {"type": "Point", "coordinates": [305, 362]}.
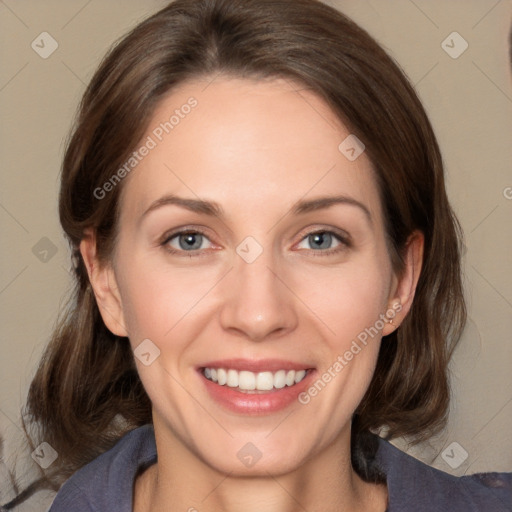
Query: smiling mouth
{"type": "Point", "coordinates": [254, 382]}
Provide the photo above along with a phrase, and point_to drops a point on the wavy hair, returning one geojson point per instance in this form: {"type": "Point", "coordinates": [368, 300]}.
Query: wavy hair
{"type": "Point", "coordinates": [86, 393]}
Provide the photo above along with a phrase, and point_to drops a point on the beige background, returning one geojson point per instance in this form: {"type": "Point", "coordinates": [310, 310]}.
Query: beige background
{"type": "Point", "coordinates": [469, 100]}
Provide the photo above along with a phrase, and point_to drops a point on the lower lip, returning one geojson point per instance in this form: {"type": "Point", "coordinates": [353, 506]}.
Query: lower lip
{"type": "Point", "coordinates": [256, 403]}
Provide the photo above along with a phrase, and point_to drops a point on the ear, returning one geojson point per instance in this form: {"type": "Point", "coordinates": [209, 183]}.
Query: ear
{"type": "Point", "coordinates": [104, 285]}
{"type": "Point", "coordinates": [404, 288]}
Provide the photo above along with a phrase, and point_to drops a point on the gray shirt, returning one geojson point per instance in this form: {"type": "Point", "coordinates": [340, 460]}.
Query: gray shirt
{"type": "Point", "coordinates": [106, 483]}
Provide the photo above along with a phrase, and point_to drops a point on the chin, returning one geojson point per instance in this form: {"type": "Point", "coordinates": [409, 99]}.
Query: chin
{"type": "Point", "coordinates": [256, 455]}
{"type": "Point", "coordinates": [263, 467]}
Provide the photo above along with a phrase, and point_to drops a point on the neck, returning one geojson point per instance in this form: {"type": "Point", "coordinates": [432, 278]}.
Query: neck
{"type": "Point", "coordinates": [180, 480]}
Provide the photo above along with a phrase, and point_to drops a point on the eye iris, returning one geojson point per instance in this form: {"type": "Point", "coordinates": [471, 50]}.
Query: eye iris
{"type": "Point", "coordinates": [321, 238]}
{"type": "Point", "coordinates": [190, 238]}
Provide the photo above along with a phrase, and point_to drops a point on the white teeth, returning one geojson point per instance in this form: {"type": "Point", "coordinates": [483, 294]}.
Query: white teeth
{"type": "Point", "coordinates": [299, 375]}
{"type": "Point", "coordinates": [290, 378]}
{"type": "Point", "coordinates": [221, 376]}
{"type": "Point", "coordinates": [232, 381]}
{"type": "Point", "coordinates": [265, 381]}
{"type": "Point", "coordinates": [279, 379]}
{"type": "Point", "coordinates": [247, 381]}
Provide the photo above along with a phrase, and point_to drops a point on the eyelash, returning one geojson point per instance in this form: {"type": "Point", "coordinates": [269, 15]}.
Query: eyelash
{"type": "Point", "coordinates": [345, 242]}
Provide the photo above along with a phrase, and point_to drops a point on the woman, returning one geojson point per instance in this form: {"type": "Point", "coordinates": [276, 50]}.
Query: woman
{"type": "Point", "coordinates": [281, 148]}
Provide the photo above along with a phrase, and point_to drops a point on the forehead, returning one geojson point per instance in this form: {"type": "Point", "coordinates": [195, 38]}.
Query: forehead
{"type": "Point", "coordinates": [244, 144]}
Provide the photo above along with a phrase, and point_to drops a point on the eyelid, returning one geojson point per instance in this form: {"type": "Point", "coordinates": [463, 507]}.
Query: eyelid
{"type": "Point", "coordinates": [172, 233]}
{"type": "Point", "coordinates": [342, 236]}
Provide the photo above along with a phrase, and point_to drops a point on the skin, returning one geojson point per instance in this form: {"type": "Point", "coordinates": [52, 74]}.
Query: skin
{"type": "Point", "coordinates": [256, 148]}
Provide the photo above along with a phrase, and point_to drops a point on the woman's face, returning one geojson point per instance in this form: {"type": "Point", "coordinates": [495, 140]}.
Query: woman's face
{"type": "Point", "coordinates": [271, 276]}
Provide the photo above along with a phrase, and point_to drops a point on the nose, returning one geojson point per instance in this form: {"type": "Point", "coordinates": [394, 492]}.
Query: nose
{"type": "Point", "coordinates": [258, 303]}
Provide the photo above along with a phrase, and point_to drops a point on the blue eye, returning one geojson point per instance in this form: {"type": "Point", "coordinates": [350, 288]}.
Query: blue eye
{"type": "Point", "coordinates": [187, 241]}
{"type": "Point", "coordinates": [321, 242]}
{"type": "Point", "coordinates": [190, 243]}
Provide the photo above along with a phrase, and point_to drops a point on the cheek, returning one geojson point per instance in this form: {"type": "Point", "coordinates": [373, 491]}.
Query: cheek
{"type": "Point", "coordinates": [347, 299]}
{"type": "Point", "coordinates": [157, 298]}
{"type": "Point", "coordinates": [348, 303]}
{"type": "Point", "coordinates": [160, 299]}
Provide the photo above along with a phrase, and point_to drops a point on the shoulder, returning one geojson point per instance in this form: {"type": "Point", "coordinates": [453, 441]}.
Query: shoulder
{"type": "Point", "coordinates": [414, 485]}
{"type": "Point", "coordinates": [106, 483]}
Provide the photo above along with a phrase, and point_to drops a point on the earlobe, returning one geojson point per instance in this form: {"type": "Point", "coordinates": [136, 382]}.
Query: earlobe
{"type": "Point", "coordinates": [403, 296]}
{"type": "Point", "coordinates": [104, 285]}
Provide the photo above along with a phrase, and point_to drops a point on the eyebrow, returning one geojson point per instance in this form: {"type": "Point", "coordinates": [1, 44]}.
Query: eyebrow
{"type": "Point", "coordinates": [325, 202]}
{"type": "Point", "coordinates": [213, 209]}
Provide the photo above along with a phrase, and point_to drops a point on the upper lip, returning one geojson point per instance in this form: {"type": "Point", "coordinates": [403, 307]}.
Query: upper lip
{"type": "Point", "coordinates": [251, 365]}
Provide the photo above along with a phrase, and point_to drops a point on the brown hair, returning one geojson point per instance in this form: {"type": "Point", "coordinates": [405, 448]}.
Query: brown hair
{"type": "Point", "coordinates": [87, 379]}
